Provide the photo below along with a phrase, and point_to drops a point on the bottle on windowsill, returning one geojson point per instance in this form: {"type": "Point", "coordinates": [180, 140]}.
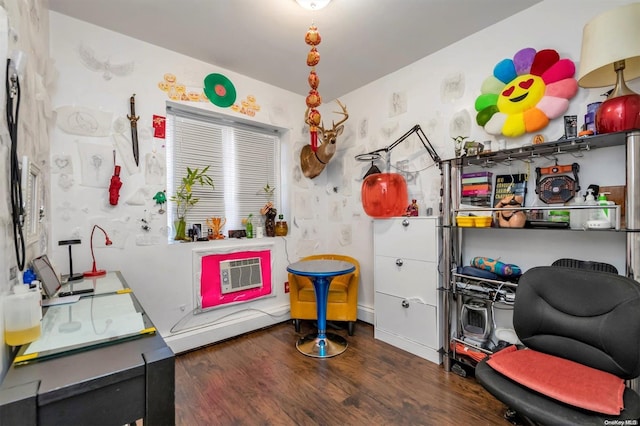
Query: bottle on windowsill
{"type": "Point", "coordinates": [282, 229]}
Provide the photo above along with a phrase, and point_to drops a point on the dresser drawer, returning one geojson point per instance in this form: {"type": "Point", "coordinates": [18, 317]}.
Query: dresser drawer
{"type": "Point", "coordinates": [412, 238]}
{"type": "Point", "coordinates": [416, 322]}
{"type": "Point", "coordinates": [412, 278]}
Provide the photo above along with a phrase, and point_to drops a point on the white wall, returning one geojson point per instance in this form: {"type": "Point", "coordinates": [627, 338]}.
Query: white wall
{"type": "Point", "coordinates": [24, 26]}
{"type": "Point", "coordinates": [324, 214]}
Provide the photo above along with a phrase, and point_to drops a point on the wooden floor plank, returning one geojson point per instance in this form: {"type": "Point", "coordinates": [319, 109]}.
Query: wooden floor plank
{"type": "Point", "coordinates": [260, 378]}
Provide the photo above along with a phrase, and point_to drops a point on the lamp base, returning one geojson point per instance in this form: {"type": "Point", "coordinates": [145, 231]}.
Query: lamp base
{"type": "Point", "coordinates": [72, 277]}
{"type": "Point", "coordinates": [95, 273]}
{"type": "Point", "coordinates": [619, 114]}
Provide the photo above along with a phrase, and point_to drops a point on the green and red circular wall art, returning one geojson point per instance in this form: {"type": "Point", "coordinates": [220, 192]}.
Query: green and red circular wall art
{"type": "Point", "coordinates": [219, 90]}
{"type": "Point", "coordinates": [526, 92]}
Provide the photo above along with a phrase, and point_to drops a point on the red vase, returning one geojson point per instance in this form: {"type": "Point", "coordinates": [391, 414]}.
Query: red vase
{"type": "Point", "coordinates": [618, 114]}
{"type": "Point", "coordinates": [385, 195]}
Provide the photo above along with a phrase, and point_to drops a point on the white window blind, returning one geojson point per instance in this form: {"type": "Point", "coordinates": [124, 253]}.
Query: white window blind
{"type": "Point", "coordinates": [242, 160]}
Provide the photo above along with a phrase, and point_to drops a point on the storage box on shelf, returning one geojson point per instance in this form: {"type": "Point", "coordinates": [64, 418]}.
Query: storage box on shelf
{"type": "Point", "coordinates": [474, 221]}
{"type": "Point", "coordinates": [407, 299]}
{"type": "Point", "coordinates": [454, 232]}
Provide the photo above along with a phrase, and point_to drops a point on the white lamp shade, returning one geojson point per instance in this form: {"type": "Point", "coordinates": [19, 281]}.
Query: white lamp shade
{"type": "Point", "coordinates": [610, 37]}
{"type": "Point", "coordinates": [313, 4]}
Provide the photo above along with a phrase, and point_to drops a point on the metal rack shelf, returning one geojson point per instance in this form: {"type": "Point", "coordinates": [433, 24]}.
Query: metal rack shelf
{"type": "Point", "coordinates": [486, 280]}
{"type": "Point", "coordinates": [547, 149]}
{"type": "Point", "coordinates": [495, 291]}
{"type": "Point", "coordinates": [616, 209]}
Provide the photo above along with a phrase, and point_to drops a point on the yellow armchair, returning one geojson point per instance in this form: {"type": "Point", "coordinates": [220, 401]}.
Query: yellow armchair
{"type": "Point", "coordinates": [342, 303]}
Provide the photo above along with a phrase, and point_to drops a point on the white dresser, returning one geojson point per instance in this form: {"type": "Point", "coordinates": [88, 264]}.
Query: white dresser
{"type": "Point", "coordinates": [406, 280]}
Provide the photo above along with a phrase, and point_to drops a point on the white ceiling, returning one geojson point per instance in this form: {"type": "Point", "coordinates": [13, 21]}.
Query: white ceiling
{"type": "Point", "coordinates": [362, 40]}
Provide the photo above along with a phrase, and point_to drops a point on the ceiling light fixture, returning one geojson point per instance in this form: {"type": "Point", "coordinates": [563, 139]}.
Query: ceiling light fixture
{"type": "Point", "coordinates": [313, 4]}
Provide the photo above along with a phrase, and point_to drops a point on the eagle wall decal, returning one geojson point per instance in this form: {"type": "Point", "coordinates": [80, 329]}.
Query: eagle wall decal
{"type": "Point", "coordinates": [89, 60]}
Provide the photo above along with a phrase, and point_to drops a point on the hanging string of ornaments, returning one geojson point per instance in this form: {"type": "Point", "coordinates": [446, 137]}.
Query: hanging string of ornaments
{"type": "Point", "coordinates": [312, 38]}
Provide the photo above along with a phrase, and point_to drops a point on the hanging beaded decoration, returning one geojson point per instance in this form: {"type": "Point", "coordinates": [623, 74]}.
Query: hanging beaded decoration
{"type": "Point", "coordinates": [312, 38]}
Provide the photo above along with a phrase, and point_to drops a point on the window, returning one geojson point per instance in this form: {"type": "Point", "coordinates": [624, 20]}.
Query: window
{"type": "Point", "coordinates": [243, 159]}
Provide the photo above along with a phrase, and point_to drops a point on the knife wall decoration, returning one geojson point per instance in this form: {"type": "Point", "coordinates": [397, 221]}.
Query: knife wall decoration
{"type": "Point", "coordinates": [134, 128]}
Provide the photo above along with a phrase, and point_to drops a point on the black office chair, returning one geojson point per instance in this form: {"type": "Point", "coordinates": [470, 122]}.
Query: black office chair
{"type": "Point", "coordinates": [589, 317]}
{"type": "Point", "coordinates": [585, 264]}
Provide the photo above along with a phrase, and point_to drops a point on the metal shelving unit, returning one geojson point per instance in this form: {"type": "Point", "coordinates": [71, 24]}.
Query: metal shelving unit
{"type": "Point", "coordinates": [452, 235]}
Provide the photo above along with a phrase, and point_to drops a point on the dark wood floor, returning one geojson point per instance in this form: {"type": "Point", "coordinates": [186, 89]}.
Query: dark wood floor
{"type": "Point", "coordinates": [261, 379]}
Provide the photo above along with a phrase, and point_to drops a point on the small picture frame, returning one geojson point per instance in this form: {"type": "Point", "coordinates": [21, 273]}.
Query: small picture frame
{"type": "Point", "coordinates": [196, 230]}
{"type": "Point", "coordinates": [570, 126]}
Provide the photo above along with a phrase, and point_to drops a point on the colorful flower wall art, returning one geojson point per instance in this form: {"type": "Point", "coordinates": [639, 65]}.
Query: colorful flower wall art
{"type": "Point", "coordinates": [525, 92]}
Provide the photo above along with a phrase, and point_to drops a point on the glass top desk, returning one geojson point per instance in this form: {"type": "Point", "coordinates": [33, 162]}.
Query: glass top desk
{"type": "Point", "coordinates": [108, 315]}
{"type": "Point", "coordinates": [321, 272]}
{"type": "Point", "coordinates": [98, 360]}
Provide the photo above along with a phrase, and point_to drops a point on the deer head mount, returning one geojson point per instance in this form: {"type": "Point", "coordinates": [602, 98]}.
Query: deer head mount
{"type": "Point", "coordinates": [313, 163]}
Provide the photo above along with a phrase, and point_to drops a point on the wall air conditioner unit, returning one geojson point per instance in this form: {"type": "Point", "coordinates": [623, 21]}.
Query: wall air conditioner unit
{"type": "Point", "coordinates": [243, 274]}
{"type": "Point", "coordinates": [230, 275]}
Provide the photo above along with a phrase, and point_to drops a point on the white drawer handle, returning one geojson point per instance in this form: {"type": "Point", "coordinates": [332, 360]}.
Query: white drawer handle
{"type": "Point", "coordinates": [405, 303]}
{"type": "Point", "coordinates": [399, 262]}
{"type": "Point", "coordinates": [405, 223]}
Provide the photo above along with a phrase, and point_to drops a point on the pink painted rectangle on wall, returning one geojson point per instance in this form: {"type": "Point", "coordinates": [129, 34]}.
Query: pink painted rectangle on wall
{"type": "Point", "coordinates": [211, 286]}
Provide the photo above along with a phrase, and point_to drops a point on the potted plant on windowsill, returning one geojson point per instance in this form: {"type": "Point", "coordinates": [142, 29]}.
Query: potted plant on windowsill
{"type": "Point", "coordinates": [185, 200]}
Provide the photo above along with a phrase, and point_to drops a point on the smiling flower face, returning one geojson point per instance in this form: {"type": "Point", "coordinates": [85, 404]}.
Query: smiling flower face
{"type": "Point", "coordinates": [525, 92]}
{"type": "Point", "coordinates": [521, 94]}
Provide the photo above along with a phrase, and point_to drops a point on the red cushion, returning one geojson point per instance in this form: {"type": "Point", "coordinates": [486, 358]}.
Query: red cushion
{"type": "Point", "coordinates": [561, 379]}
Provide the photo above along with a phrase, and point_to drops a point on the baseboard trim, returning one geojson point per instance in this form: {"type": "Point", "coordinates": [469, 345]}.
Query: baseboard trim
{"type": "Point", "coordinates": [365, 313]}
{"type": "Point", "coordinates": [207, 334]}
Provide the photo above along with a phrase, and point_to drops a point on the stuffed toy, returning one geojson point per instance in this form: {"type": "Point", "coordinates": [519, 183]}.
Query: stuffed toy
{"type": "Point", "coordinates": [525, 92]}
